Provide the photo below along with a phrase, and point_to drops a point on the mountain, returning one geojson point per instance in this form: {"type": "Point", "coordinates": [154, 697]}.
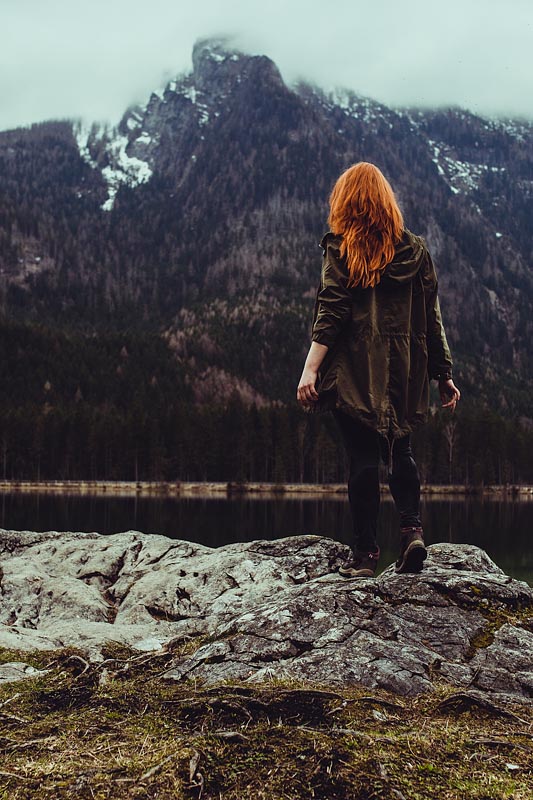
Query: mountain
{"type": "Point", "coordinates": [197, 220]}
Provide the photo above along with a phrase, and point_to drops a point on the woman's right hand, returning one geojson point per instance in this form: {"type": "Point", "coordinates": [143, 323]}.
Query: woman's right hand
{"type": "Point", "coordinates": [307, 394]}
{"type": "Point", "coordinates": [449, 392]}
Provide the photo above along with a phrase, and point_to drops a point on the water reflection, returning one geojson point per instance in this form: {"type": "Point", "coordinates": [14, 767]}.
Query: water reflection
{"type": "Point", "coordinates": [501, 527]}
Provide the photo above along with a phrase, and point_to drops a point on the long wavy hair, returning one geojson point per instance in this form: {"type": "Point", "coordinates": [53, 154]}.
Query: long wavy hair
{"type": "Point", "coordinates": [364, 210]}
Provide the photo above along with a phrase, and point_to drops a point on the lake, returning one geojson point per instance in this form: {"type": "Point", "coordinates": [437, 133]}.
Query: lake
{"type": "Point", "coordinates": [501, 527]}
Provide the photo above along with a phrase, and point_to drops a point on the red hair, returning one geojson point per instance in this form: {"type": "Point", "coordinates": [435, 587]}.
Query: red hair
{"type": "Point", "coordinates": [364, 210]}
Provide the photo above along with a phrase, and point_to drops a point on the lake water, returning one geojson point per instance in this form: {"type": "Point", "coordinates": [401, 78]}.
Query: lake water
{"type": "Point", "coordinates": [501, 527]}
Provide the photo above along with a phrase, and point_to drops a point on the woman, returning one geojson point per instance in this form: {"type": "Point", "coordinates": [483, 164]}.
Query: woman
{"type": "Point", "coordinates": [377, 340]}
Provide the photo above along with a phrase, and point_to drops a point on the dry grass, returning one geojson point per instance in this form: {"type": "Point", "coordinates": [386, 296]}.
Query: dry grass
{"type": "Point", "coordinates": [116, 730]}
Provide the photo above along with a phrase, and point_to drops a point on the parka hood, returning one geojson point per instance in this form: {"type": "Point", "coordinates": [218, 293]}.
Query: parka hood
{"type": "Point", "coordinates": [407, 259]}
{"type": "Point", "coordinates": [405, 264]}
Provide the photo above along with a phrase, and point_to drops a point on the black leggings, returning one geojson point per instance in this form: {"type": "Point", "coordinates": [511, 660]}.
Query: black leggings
{"type": "Point", "coordinates": [364, 447]}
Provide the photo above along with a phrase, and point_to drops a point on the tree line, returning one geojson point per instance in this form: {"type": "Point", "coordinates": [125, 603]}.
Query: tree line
{"type": "Point", "coordinates": [238, 443]}
{"type": "Point", "coordinates": [125, 406]}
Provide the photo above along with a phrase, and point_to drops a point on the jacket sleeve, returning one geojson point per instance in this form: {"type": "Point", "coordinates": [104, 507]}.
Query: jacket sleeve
{"type": "Point", "coordinates": [333, 301]}
{"type": "Point", "coordinates": [439, 357]}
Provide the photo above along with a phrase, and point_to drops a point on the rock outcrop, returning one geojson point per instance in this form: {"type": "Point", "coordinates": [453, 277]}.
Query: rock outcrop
{"type": "Point", "coordinates": [271, 608]}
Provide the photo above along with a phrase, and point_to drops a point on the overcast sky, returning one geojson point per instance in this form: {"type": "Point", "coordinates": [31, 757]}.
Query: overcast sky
{"type": "Point", "coordinates": [93, 58]}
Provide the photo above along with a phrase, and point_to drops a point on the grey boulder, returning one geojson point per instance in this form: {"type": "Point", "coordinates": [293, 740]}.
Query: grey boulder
{"type": "Point", "coordinates": [271, 609]}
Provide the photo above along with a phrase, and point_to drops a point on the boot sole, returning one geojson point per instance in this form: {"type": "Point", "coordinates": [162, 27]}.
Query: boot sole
{"type": "Point", "coordinates": [362, 573]}
{"type": "Point", "coordinates": [413, 558]}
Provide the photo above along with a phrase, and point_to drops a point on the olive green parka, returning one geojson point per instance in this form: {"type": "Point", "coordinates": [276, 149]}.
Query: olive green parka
{"type": "Point", "coordinates": [385, 342]}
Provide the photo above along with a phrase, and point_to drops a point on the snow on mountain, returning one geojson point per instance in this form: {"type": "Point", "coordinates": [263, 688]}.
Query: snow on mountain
{"type": "Point", "coordinates": [84, 134]}
{"type": "Point", "coordinates": [123, 169]}
{"type": "Point", "coordinates": [459, 175]}
{"type": "Point", "coordinates": [126, 153]}
{"type": "Point", "coordinates": [358, 107]}
{"type": "Point", "coordinates": [521, 130]}
{"type": "Point", "coordinates": [188, 104]}
{"type": "Point", "coordinates": [105, 148]}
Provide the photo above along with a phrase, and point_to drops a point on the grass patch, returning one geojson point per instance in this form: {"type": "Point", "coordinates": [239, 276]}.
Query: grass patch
{"type": "Point", "coordinates": [117, 730]}
{"type": "Point", "coordinates": [498, 614]}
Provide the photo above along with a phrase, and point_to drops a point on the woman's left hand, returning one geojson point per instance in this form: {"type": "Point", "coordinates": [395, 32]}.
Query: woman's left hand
{"type": "Point", "coordinates": [449, 394]}
{"type": "Point", "coordinates": [307, 394]}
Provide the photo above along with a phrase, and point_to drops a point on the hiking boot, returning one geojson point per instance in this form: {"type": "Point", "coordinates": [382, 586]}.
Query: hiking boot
{"type": "Point", "coordinates": [362, 565]}
{"type": "Point", "coordinates": [412, 550]}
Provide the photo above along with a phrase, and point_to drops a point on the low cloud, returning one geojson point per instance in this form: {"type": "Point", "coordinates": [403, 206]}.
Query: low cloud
{"type": "Point", "coordinates": [65, 58]}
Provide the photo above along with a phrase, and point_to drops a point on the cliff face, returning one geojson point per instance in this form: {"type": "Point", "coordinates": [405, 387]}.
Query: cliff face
{"type": "Point", "coordinates": [267, 609]}
{"type": "Point", "coordinates": [200, 215]}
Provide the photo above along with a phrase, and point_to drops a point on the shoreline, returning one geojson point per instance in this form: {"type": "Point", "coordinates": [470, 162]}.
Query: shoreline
{"type": "Point", "coordinates": [189, 489]}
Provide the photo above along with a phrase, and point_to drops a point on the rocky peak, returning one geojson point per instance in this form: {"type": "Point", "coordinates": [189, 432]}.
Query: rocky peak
{"type": "Point", "coordinates": [179, 112]}
{"type": "Point", "coordinates": [212, 51]}
{"type": "Point", "coordinates": [215, 62]}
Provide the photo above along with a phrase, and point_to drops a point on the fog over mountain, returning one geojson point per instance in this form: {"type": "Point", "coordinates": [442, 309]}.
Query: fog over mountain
{"type": "Point", "coordinates": [68, 58]}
